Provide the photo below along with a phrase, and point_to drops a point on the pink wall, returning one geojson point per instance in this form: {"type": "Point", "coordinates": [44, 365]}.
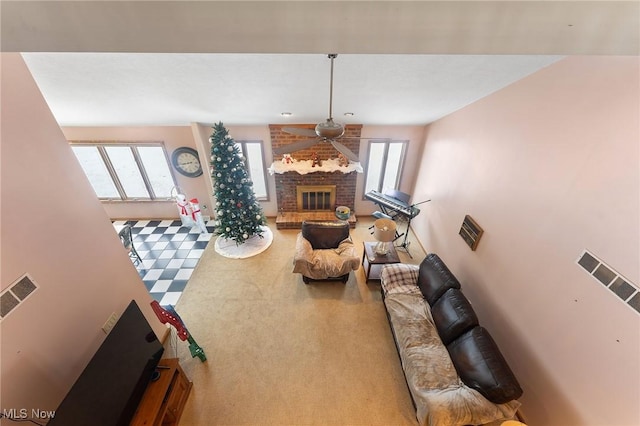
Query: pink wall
{"type": "Point", "coordinates": [173, 137]}
{"type": "Point", "coordinates": [548, 166]}
{"type": "Point", "coordinates": [51, 222]}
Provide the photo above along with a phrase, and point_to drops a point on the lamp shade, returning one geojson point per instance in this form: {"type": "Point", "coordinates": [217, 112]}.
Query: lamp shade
{"type": "Point", "coordinates": [384, 230]}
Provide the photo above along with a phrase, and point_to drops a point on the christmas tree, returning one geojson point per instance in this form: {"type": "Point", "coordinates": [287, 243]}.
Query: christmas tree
{"type": "Point", "coordinates": [238, 214]}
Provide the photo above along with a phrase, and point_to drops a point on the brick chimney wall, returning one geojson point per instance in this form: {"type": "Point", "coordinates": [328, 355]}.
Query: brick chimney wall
{"type": "Point", "coordinates": [286, 183]}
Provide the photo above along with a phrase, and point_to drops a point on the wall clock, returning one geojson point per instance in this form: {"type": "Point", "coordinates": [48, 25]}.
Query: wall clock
{"type": "Point", "coordinates": [186, 161]}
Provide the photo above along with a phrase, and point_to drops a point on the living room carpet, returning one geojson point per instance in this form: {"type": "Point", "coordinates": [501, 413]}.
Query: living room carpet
{"type": "Point", "coordinates": [280, 352]}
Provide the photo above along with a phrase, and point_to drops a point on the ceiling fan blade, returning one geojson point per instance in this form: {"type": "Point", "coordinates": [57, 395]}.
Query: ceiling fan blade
{"type": "Point", "coordinates": [300, 131]}
{"type": "Point", "coordinates": [364, 139]}
{"type": "Point", "coordinates": [344, 150]}
{"type": "Point", "coordinates": [296, 146]}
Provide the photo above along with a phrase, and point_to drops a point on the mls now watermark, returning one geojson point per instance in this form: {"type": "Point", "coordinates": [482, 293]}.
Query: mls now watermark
{"type": "Point", "coordinates": [23, 413]}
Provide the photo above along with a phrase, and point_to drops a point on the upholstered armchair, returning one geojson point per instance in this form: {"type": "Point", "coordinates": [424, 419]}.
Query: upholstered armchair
{"type": "Point", "coordinates": [325, 251]}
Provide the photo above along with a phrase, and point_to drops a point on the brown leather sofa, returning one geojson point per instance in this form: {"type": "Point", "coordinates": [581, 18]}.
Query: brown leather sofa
{"type": "Point", "coordinates": [454, 369]}
{"type": "Point", "coordinates": [325, 251]}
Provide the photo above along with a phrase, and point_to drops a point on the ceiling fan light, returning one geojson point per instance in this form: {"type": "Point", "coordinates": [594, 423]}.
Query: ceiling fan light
{"type": "Point", "coordinates": [329, 129]}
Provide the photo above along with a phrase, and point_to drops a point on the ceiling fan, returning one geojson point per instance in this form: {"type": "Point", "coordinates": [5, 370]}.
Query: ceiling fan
{"type": "Point", "coordinates": [327, 131]}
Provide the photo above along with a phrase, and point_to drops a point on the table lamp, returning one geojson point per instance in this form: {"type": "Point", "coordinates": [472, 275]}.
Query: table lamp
{"type": "Point", "coordinates": [384, 231]}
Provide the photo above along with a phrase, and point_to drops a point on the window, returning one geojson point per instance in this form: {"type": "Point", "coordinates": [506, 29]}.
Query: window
{"type": "Point", "coordinates": [126, 171]}
{"type": "Point", "coordinates": [384, 165]}
{"type": "Point", "coordinates": [253, 154]}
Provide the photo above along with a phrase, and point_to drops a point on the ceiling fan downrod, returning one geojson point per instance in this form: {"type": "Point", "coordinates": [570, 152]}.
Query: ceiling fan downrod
{"type": "Point", "coordinates": [331, 56]}
{"type": "Point", "coordinates": [329, 129]}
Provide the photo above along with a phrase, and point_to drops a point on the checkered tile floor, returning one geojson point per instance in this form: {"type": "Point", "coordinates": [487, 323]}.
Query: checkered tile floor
{"type": "Point", "coordinates": [169, 254]}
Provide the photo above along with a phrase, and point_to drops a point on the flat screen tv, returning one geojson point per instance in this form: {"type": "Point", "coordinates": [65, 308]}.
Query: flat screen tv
{"type": "Point", "coordinates": [110, 388]}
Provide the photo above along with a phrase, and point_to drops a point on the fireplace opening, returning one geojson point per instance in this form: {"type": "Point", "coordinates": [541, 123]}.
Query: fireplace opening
{"type": "Point", "coordinates": [316, 197]}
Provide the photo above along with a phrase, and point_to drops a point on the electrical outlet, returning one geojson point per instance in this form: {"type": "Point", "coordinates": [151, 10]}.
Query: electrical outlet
{"type": "Point", "coordinates": [110, 323]}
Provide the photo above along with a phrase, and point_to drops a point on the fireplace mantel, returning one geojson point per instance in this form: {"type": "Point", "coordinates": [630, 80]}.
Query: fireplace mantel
{"type": "Point", "coordinates": [304, 167]}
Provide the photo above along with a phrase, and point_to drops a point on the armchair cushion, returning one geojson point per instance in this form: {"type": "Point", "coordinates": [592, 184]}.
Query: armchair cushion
{"type": "Point", "coordinates": [326, 234]}
{"type": "Point", "coordinates": [328, 258]}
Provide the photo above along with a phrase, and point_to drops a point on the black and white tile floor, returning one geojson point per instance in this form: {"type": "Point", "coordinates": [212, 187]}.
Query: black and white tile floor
{"type": "Point", "coordinates": [169, 253]}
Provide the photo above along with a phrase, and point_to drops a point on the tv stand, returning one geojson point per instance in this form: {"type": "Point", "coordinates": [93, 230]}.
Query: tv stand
{"type": "Point", "coordinates": [164, 399]}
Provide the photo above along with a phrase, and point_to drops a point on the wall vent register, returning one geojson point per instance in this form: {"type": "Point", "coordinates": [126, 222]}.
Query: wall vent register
{"type": "Point", "coordinates": [15, 294]}
{"type": "Point", "coordinates": [470, 232]}
{"type": "Point", "coordinates": [607, 276]}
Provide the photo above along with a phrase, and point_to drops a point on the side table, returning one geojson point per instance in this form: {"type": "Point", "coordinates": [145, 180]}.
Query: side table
{"type": "Point", "coordinates": [373, 262]}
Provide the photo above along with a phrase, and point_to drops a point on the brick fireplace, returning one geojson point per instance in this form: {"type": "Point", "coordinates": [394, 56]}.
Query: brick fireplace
{"type": "Point", "coordinates": [287, 183]}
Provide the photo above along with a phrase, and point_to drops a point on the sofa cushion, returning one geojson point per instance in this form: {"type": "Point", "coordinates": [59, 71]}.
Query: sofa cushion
{"type": "Point", "coordinates": [453, 315]}
{"type": "Point", "coordinates": [482, 367]}
{"type": "Point", "coordinates": [435, 278]}
{"type": "Point", "coordinates": [325, 234]}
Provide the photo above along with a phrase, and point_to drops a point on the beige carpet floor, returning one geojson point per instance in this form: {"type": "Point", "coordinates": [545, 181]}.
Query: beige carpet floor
{"type": "Point", "coordinates": [280, 352]}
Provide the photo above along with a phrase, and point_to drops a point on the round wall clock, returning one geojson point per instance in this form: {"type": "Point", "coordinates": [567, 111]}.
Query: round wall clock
{"type": "Point", "coordinates": [186, 161]}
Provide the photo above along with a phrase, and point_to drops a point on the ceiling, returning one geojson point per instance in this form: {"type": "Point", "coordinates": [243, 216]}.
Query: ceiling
{"type": "Point", "coordinates": [246, 62]}
{"type": "Point", "coordinates": [177, 89]}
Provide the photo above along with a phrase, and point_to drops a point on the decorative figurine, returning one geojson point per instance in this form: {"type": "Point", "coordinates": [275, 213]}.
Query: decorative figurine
{"type": "Point", "coordinates": [287, 159]}
{"type": "Point", "coordinates": [315, 160]}
{"type": "Point", "coordinates": [169, 315]}
{"type": "Point", "coordinates": [343, 161]}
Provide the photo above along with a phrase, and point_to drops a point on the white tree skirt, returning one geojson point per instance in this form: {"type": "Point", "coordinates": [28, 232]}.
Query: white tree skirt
{"type": "Point", "coordinates": [251, 247]}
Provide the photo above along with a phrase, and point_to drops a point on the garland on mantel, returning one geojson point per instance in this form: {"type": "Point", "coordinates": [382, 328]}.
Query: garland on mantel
{"type": "Point", "coordinates": [304, 167]}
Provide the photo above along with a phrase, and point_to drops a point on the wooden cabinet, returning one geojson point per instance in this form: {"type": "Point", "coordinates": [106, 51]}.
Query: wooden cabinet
{"type": "Point", "coordinates": [164, 399]}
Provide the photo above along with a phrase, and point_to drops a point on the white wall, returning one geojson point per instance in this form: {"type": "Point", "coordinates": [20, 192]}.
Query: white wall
{"type": "Point", "coordinates": [54, 228]}
{"type": "Point", "coordinates": [548, 166]}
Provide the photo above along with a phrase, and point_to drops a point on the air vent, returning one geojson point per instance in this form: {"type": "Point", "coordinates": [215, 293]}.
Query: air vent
{"type": "Point", "coordinates": [608, 277]}
{"type": "Point", "coordinates": [15, 294]}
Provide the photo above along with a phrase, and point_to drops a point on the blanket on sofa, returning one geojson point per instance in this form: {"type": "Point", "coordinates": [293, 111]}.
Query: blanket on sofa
{"type": "Point", "coordinates": [441, 397]}
{"type": "Point", "coordinates": [454, 370]}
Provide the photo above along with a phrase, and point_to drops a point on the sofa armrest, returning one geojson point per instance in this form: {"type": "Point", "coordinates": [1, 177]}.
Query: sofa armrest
{"type": "Point", "coordinates": [399, 278]}
{"type": "Point", "coordinates": [346, 248]}
{"type": "Point", "coordinates": [304, 250]}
